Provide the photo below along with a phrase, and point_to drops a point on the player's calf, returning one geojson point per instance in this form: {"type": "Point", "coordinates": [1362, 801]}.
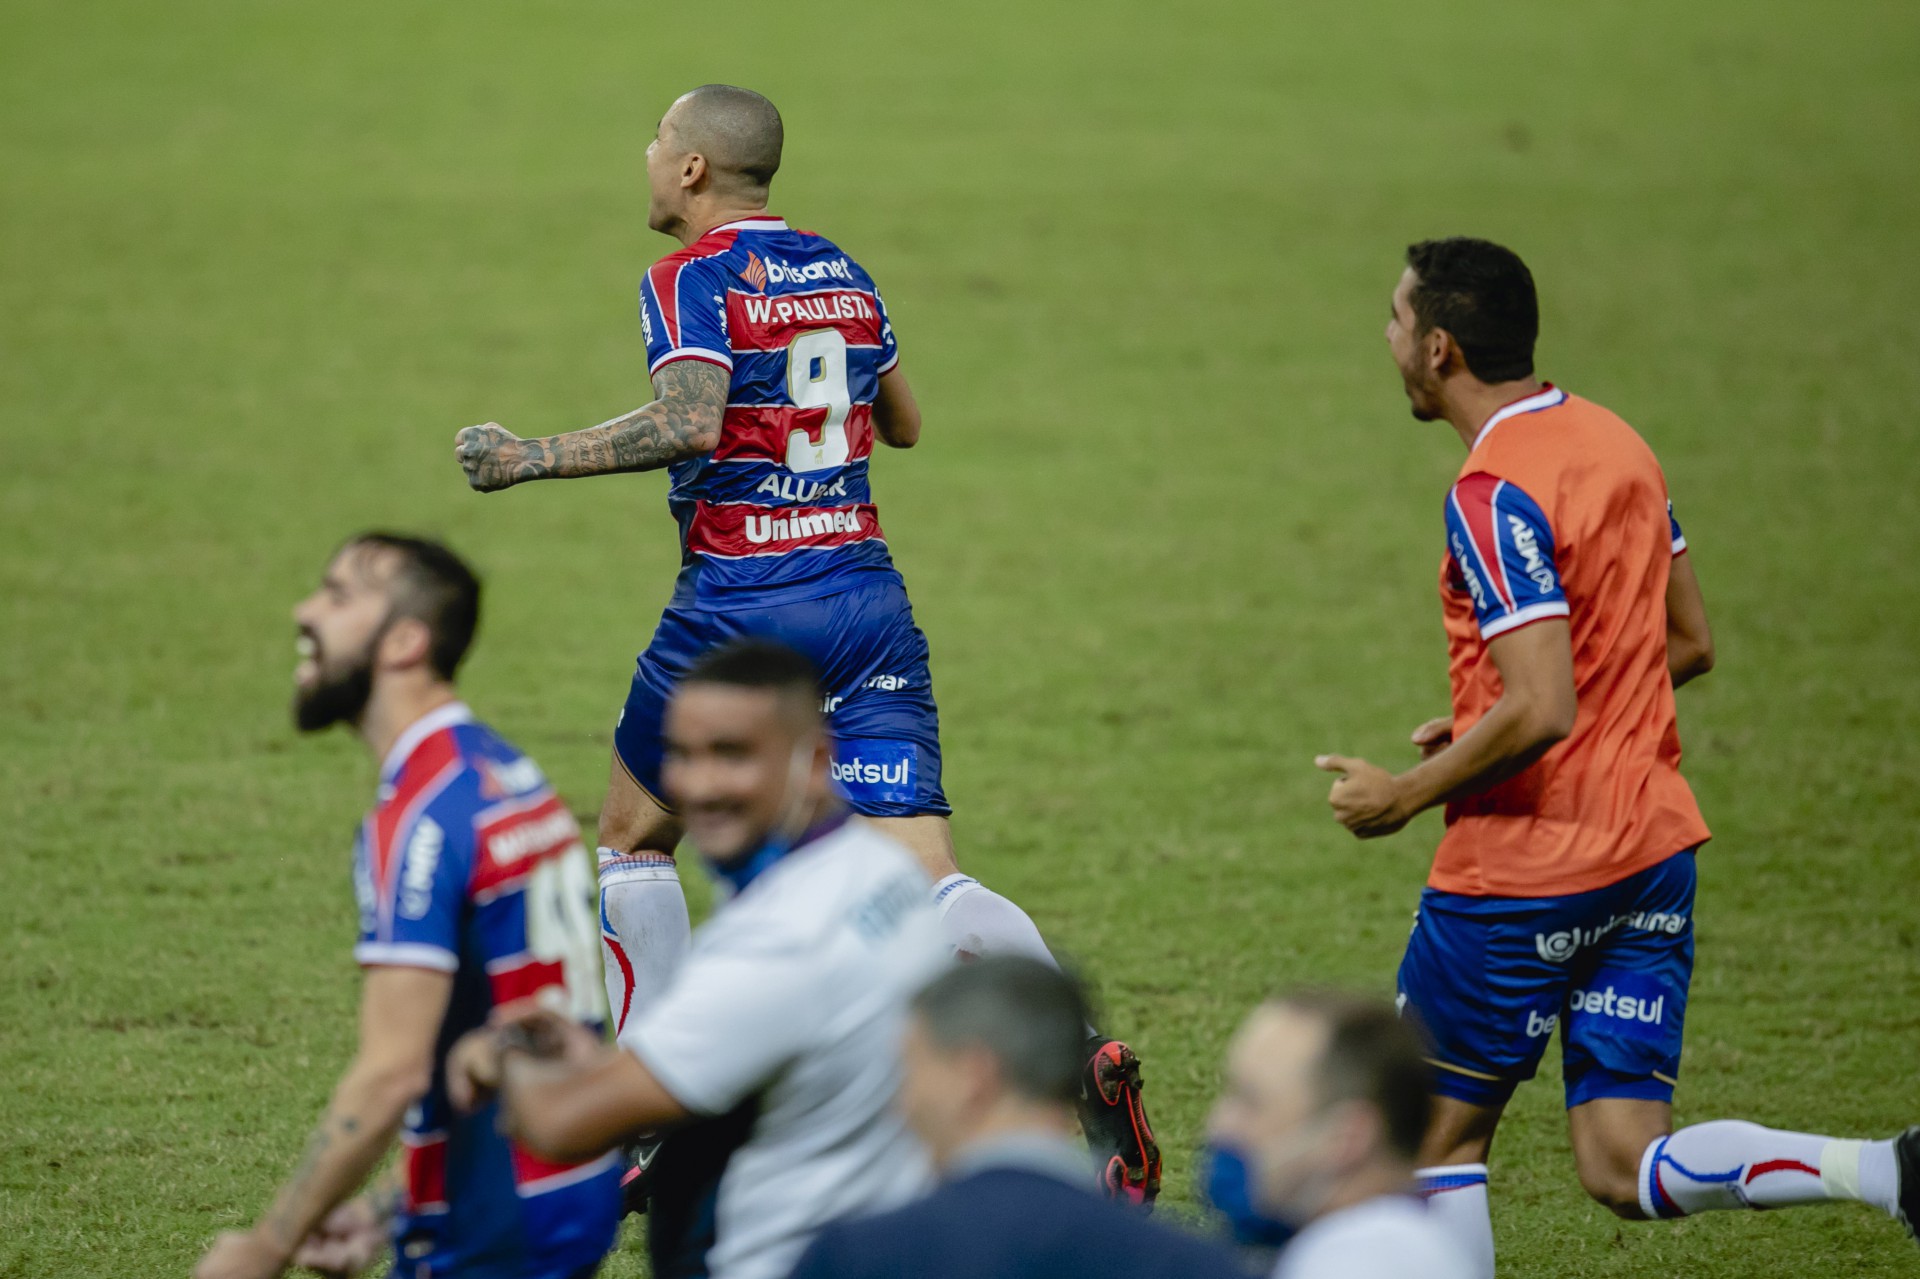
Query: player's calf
{"type": "Point", "coordinates": [644, 927]}
{"type": "Point", "coordinates": [1731, 1164]}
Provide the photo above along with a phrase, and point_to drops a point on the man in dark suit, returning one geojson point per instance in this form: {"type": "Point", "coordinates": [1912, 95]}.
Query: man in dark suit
{"type": "Point", "coordinates": [993, 1055]}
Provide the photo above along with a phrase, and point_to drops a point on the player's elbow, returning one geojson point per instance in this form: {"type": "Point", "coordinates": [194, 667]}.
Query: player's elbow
{"type": "Point", "coordinates": [1703, 656]}
{"type": "Point", "coordinates": [393, 1085]}
{"type": "Point", "coordinates": [899, 430]}
{"type": "Point", "coordinates": [1548, 722]}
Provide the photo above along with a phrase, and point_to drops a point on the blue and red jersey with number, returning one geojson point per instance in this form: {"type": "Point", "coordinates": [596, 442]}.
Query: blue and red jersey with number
{"type": "Point", "coordinates": [781, 510]}
{"type": "Point", "coordinates": [471, 865]}
{"type": "Point", "coordinates": [1561, 511]}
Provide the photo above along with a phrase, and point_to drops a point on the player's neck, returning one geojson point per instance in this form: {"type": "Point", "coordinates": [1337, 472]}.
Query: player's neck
{"type": "Point", "coordinates": [699, 222]}
{"type": "Point", "coordinates": [396, 705]}
{"type": "Point", "coordinates": [1471, 402]}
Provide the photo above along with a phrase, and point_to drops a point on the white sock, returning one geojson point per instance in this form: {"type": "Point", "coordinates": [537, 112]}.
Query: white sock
{"type": "Point", "coordinates": [1730, 1163]}
{"type": "Point", "coordinates": [980, 922]}
{"type": "Point", "coordinates": [1456, 1195]}
{"type": "Point", "coordinates": [643, 928]}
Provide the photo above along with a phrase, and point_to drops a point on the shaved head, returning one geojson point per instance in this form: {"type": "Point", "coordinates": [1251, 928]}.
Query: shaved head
{"type": "Point", "coordinates": [737, 130]}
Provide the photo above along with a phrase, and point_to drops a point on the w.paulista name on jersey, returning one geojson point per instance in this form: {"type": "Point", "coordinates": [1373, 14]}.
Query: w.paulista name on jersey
{"type": "Point", "coordinates": [780, 510]}
{"type": "Point", "coordinates": [471, 865]}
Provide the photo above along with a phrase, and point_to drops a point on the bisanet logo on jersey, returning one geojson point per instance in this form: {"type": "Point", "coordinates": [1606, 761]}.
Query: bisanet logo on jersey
{"type": "Point", "coordinates": [812, 308]}
{"type": "Point", "coordinates": [755, 273]}
{"type": "Point", "coordinates": [779, 272]}
{"type": "Point", "coordinates": [1529, 547]}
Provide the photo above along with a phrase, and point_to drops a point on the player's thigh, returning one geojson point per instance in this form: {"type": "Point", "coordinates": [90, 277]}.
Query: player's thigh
{"type": "Point", "coordinates": [1487, 1003]}
{"type": "Point", "coordinates": [635, 815]}
{"type": "Point", "coordinates": [882, 714]}
{"type": "Point", "coordinates": [1627, 1006]}
{"type": "Point", "coordinates": [1610, 1136]}
{"type": "Point", "coordinates": [929, 838]}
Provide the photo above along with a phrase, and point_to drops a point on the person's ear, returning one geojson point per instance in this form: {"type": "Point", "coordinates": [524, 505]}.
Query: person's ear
{"type": "Point", "coordinates": [407, 642]}
{"type": "Point", "coordinates": [693, 170]}
{"type": "Point", "coordinates": [1441, 351]}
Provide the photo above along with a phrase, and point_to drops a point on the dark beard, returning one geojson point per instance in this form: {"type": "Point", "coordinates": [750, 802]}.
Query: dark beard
{"type": "Point", "coordinates": [334, 698]}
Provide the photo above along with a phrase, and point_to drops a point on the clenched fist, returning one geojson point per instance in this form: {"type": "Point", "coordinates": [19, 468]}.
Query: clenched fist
{"type": "Point", "coordinates": [493, 457]}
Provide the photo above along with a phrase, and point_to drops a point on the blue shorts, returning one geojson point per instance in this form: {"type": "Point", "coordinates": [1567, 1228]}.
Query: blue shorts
{"type": "Point", "coordinates": [873, 664]}
{"type": "Point", "coordinates": [1490, 979]}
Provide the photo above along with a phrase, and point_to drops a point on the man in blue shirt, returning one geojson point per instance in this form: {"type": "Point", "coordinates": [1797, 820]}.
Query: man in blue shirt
{"type": "Point", "coordinates": [993, 1057]}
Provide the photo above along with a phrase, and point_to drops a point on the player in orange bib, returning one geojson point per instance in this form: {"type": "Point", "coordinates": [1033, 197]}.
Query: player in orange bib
{"type": "Point", "coordinates": [1561, 896]}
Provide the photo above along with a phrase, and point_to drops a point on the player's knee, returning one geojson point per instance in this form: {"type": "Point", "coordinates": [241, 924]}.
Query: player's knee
{"type": "Point", "coordinates": [1613, 1186]}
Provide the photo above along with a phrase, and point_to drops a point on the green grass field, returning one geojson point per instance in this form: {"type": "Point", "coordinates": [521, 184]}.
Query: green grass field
{"type": "Point", "coordinates": [1171, 530]}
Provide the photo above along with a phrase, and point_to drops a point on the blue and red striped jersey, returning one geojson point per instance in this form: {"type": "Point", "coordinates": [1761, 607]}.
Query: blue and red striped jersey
{"type": "Point", "coordinates": [780, 510]}
{"type": "Point", "coordinates": [471, 865]}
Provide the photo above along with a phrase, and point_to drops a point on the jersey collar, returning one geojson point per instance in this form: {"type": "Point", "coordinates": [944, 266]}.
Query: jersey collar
{"type": "Point", "coordinates": [419, 731]}
{"type": "Point", "coordinates": [1545, 399]}
{"type": "Point", "coordinates": [765, 222]}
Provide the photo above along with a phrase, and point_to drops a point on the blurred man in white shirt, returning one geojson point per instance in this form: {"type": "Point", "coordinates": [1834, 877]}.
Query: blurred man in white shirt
{"type": "Point", "coordinates": [771, 1059]}
{"type": "Point", "coordinates": [1313, 1140]}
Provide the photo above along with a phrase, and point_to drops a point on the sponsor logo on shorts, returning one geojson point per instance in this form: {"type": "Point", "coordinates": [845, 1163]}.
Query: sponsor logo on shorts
{"type": "Point", "coordinates": [1558, 947]}
{"type": "Point", "coordinates": [884, 683]}
{"type": "Point", "coordinates": [876, 770]}
{"type": "Point", "coordinates": [1538, 1025]}
{"type": "Point", "coordinates": [1610, 1003]}
{"type": "Point", "coordinates": [857, 771]}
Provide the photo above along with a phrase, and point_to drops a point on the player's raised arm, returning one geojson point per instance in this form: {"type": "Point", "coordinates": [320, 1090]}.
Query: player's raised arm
{"type": "Point", "coordinates": [683, 421]}
{"type": "Point", "coordinates": [896, 414]}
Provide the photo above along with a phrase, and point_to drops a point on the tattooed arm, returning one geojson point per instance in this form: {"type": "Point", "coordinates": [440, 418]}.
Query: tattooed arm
{"type": "Point", "coordinates": [400, 1013]}
{"type": "Point", "coordinates": [682, 422]}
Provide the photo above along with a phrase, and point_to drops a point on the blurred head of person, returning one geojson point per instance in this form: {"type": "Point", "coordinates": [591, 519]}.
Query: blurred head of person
{"type": "Point", "coordinates": [1464, 309]}
{"type": "Point", "coordinates": [993, 1047]}
{"type": "Point", "coordinates": [747, 753]}
{"type": "Point", "coordinates": [1324, 1104]}
{"type": "Point", "coordinates": [713, 156]}
{"type": "Point", "coordinates": [390, 621]}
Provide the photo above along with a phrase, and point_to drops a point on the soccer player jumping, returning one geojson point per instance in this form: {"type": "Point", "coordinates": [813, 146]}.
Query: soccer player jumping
{"type": "Point", "coordinates": [1561, 895]}
{"type": "Point", "coordinates": [775, 367]}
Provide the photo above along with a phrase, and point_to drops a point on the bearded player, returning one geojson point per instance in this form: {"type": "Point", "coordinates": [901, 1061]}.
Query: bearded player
{"type": "Point", "coordinates": [474, 891]}
{"type": "Point", "coordinates": [775, 368]}
{"type": "Point", "coordinates": [1561, 897]}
